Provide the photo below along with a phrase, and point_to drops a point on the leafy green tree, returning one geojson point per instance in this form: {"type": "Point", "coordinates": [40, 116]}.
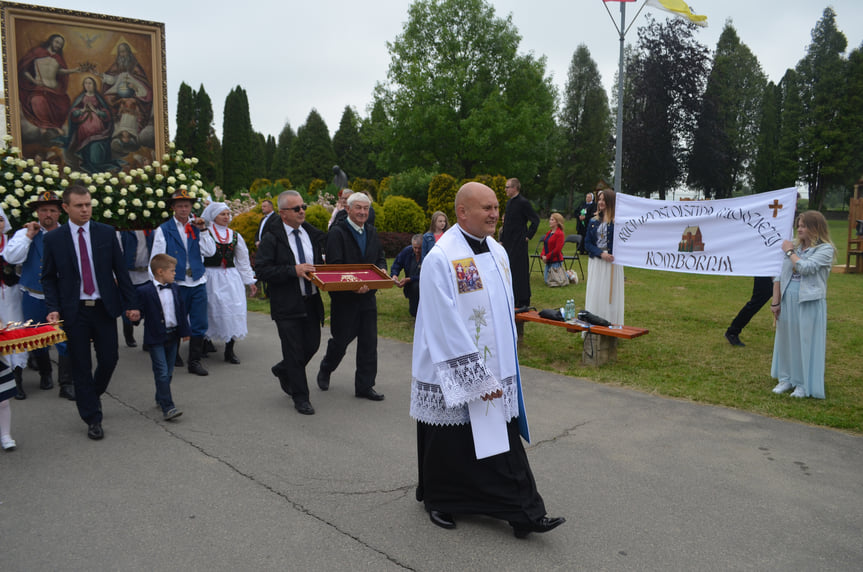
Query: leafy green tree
{"type": "Point", "coordinates": [348, 146]}
{"type": "Point", "coordinates": [460, 96]}
{"type": "Point", "coordinates": [259, 155]}
{"type": "Point", "coordinates": [238, 137]}
{"type": "Point", "coordinates": [726, 134]}
{"type": "Point", "coordinates": [586, 151]}
{"type": "Point", "coordinates": [311, 154]}
{"type": "Point", "coordinates": [822, 71]}
{"type": "Point", "coordinates": [665, 78]}
{"type": "Point", "coordinates": [281, 158]}
{"type": "Point", "coordinates": [184, 139]}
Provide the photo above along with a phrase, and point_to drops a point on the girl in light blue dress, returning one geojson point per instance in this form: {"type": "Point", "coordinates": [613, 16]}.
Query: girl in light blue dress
{"type": "Point", "coordinates": [800, 308]}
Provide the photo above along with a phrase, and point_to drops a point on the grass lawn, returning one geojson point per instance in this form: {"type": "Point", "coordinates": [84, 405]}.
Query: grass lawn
{"type": "Point", "coordinates": [686, 355]}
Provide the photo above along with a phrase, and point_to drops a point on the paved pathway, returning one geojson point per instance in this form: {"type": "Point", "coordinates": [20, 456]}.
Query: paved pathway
{"type": "Point", "coordinates": [243, 482]}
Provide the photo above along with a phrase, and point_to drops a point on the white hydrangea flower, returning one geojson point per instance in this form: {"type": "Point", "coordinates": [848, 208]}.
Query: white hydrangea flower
{"type": "Point", "coordinates": [136, 202]}
{"type": "Point", "coordinates": [107, 213]}
{"type": "Point", "coordinates": [107, 200]}
{"type": "Point", "coordinates": [172, 180]}
{"type": "Point", "coordinates": [122, 203]}
{"type": "Point", "coordinates": [146, 214]}
{"type": "Point", "coordinates": [148, 191]}
{"type": "Point", "coordinates": [160, 204]}
{"type": "Point", "coordinates": [151, 205]}
{"type": "Point", "coordinates": [164, 214]}
{"type": "Point", "coordinates": [92, 189]}
{"type": "Point", "coordinates": [94, 202]}
{"type": "Point", "coordinates": [132, 216]}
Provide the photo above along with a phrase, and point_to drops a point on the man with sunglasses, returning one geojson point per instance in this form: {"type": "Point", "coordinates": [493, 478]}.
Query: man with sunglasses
{"type": "Point", "coordinates": [290, 247]}
{"type": "Point", "coordinates": [354, 314]}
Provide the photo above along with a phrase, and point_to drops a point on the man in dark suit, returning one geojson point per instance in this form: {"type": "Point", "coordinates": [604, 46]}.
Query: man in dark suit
{"type": "Point", "coordinates": [519, 226]}
{"type": "Point", "coordinates": [81, 261]}
{"type": "Point", "coordinates": [354, 314]}
{"type": "Point", "coordinates": [267, 210]}
{"type": "Point", "coordinates": [289, 249]}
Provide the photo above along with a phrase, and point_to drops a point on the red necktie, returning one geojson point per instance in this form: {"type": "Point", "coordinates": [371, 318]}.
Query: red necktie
{"type": "Point", "coordinates": [86, 271]}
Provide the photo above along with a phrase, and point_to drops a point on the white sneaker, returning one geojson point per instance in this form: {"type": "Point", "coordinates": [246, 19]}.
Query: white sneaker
{"type": "Point", "coordinates": [799, 392]}
{"type": "Point", "coordinates": [8, 443]}
{"type": "Point", "coordinates": [782, 387]}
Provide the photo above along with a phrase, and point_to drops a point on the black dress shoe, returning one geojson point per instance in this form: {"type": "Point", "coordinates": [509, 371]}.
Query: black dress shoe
{"type": "Point", "coordinates": [67, 391]}
{"type": "Point", "coordinates": [544, 524]}
{"type": "Point", "coordinates": [196, 368]}
{"type": "Point", "coordinates": [305, 408]}
{"type": "Point", "coordinates": [45, 381]}
{"type": "Point", "coordinates": [178, 361]}
{"type": "Point", "coordinates": [734, 340]}
{"type": "Point", "coordinates": [131, 343]}
{"type": "Point", "coordinates": [323, 380]}
{"type": "Point", "coordinates": [232, 358]}
{"type": "Point", "coordinates": [286, 386]}
{"type": "Point", "coordinates": [371, 394]}
{"type": "Point", "coordinates": [94, 431]}
{"type": "Point", "coordinates": [442, 519]}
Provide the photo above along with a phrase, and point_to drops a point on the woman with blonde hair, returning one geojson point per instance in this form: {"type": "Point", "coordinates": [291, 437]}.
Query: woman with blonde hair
{"type": "Point", "coordinates": [604, 296]}
{"type": "Point", "coordinates": [800, 308]}
{"type": "Point", "coordinates": [439, 223]}
{"type": "Point", "coordinates": [552, 244]}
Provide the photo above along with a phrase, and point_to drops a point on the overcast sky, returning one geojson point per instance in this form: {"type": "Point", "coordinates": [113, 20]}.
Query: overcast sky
{"type": "Point", "coordinates": [291, 56]}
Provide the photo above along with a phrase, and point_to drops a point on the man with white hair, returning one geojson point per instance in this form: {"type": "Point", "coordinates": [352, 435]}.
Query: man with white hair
{"type": "Point", "coordinates": [354, 314]}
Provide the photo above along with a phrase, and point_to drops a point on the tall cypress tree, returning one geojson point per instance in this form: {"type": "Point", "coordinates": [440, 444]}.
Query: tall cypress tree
{"type": "Point", "coordinates": [206, 146]}
{"type": "Point", "coordinates": [311, 154]}
{"type": "Point", "coordinates": [281, 160]}
{"type": "Point", "coordinates": [185, 119]}
{"type": "Point", "coordinates": [347, 145]}
{"type": "Point", "coordinates": [237, 137]}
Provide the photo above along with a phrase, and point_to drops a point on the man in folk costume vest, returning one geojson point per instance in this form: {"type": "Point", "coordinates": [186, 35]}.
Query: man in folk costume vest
{"type": "Point", "coordinates": [26, 248]}
{"type": "Point", "coordinates": [465, 367]}
{"type": "Point", "coordinates": [182, 237]}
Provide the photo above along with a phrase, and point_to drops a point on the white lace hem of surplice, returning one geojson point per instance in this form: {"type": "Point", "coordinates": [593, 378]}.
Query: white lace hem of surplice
{"type": "Point", "coordinates": [427, 404]}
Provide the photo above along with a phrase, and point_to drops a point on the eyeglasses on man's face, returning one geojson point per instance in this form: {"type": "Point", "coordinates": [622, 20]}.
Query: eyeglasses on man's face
{"type": "Point", "coordinates": [296, 209]}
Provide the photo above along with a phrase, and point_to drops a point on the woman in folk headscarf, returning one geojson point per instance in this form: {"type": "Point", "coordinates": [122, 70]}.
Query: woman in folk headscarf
{"type": "Point", "coordinates": [11, 366]}
{"type": "Point", "coordinates": [227, 271]}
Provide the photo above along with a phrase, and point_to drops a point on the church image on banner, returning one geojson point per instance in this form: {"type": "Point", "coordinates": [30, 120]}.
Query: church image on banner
{"type": "Point", "coordinates": [691, 241]}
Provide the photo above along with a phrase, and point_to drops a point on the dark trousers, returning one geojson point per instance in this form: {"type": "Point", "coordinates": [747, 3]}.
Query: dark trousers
{"type": "Point", "coordinates": [162, 357]}
{"type": "Point", "coordinates": [195, 300]}
{"type": "Point", "coordinates": [91, 323]}
{"type": "Point", "coordinates": [301, 339]}
{"type": "Point", "coordinates": [347, 323]}
{"type": "Point", "coordinates": [412, 293]}
{"type": "Point", "coordinates": [762, 290]}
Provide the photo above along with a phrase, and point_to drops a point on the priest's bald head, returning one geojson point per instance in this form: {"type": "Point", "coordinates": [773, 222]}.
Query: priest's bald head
{"type": "Point", "coordinates": [477, 209]}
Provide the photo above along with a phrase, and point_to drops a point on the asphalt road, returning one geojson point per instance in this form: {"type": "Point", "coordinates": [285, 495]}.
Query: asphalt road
{"type": "Point", "coordinates": [243, 482]}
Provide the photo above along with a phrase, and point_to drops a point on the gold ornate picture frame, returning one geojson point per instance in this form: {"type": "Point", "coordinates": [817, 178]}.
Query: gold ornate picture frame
{"type": "Point", "coordinates": [84, 91]}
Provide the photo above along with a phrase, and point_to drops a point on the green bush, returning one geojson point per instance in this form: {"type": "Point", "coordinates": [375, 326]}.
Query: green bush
{"type": "Point", "coordinates": [384, 188]}
{"type": "Point", "coordinates": [367, 186]}
{"type": "Point", "coordinates": [247, 225]}
{"type": "Point", "coordinates": [316, 186]}
{"type": "Point", "coordinates": [441, 196]}
{"type": "Point", "coordinates": [318, 216]}
{"type": "Point", "coordinates": [259, 184]}
{"type": "Point", "coordinates": [400, 214]}
{"type": "Point", "coordinates": [413, 184]}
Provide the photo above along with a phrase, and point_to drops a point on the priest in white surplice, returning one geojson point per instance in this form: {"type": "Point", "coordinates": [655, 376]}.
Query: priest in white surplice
{"type": "Point", "coordinates": [465, 390]}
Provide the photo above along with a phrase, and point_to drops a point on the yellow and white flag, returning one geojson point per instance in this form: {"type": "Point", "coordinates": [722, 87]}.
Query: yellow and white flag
{"type": "Point", "coordinates": [678, 8]}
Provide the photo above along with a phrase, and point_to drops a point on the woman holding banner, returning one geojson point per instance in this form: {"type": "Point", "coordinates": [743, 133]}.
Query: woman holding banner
{"type": "Point", "coordinates": [800, 308]}
{"type": "Point", "coordinates": [604, 295]}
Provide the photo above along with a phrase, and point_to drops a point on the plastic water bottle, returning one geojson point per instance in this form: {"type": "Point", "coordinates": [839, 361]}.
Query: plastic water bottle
{"type": "Point", "coordinates": [570, 310]}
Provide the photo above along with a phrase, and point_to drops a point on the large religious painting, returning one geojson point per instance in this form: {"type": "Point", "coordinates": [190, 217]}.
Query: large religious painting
{"type": "Point", "coordinates": [84, 91]}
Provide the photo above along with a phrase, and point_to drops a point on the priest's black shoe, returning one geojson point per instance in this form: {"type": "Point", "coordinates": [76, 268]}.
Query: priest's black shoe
{"type": "Point", "coordinates": [544, 524]}
{"type": "Point", "coordinates": [305, 408]}
{"type": "Point", "coordinates": [94, 431]}
{"type": "Point", "coordinates": [442, 519]}
{"type": "Point", "coordinates": [323, 380]}
{"type": "Point", "coordinates": [370, 394]}
{"type": "Point", "coordinates": [283, 381]}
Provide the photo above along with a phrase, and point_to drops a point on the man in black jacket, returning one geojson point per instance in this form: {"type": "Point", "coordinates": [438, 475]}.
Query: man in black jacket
{"type": "Point", "coordinates": [289, 249]}
{"type": "Point", "coordinates": [519, 226]}
{"type": "Point", "coordinates": [354, 314]}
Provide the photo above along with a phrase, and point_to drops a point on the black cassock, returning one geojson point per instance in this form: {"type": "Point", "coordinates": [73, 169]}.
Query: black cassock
{"type": "Point", "coordinates": [519, 224]}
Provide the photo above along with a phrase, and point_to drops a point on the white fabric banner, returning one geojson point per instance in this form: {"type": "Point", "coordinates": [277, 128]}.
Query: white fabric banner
{"type": "Point", "coordinates": [733, 237]}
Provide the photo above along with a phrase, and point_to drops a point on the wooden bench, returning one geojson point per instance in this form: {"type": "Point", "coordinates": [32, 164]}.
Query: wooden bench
{"type": "Point", "coordinates": [600, 343]}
